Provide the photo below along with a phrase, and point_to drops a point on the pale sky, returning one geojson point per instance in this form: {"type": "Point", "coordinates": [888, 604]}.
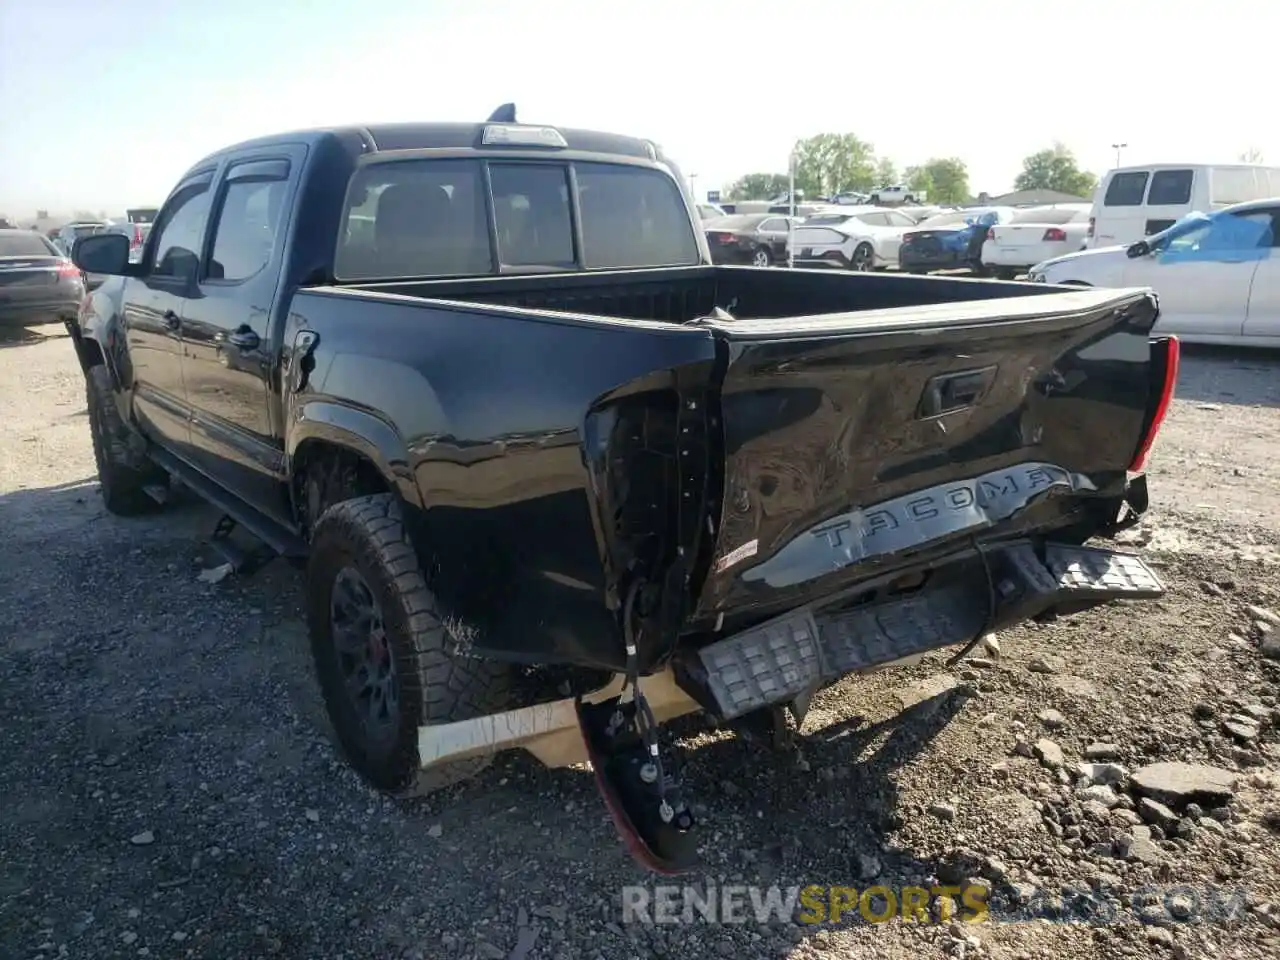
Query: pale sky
{"type": "Point", "coordinates": [106, 102]}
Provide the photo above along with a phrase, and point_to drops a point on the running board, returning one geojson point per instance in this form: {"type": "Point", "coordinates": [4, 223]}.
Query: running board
{"type": "Point", "coordinates": [282, 541]}
{"type": "Point", "coordinates": [784, 658]}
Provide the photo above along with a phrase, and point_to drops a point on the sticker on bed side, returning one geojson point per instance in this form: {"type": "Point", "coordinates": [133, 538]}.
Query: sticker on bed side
{"type": "Point", "coordinates": [743, 552]}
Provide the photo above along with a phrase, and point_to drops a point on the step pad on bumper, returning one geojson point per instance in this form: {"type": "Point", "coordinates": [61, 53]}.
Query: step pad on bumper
{"type": "Point", "coordinates": [779, 660]}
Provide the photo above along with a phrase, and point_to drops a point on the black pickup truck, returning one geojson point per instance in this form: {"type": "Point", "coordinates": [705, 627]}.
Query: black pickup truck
{"type": "Point", "coordinates": [556, 479]}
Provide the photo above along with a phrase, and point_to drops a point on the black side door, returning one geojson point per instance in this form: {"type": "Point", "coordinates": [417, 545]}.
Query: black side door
{"type": "Point", "coordinates": [230, 358]}
{"type": "Point", "coordinates": [151, 313]}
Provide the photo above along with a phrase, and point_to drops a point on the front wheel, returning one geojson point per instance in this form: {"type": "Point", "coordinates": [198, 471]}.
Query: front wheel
{"type": "Point", "coordinates": [762, 257]}
{"type": "Point", "coordinates": [863, 258]}
{"type": "Point", "coordinates": [383, 657]}
{"type": "Point", "coordinates": [124, 472]}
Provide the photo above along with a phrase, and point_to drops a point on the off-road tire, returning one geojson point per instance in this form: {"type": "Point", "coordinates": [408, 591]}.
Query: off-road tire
{"type": "Point", "coordinates": [434, 685]}
{"type": "Point", "coordinates": [123, 468]}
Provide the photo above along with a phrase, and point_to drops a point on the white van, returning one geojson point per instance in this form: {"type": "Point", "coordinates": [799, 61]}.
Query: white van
{"type": "Point", "coordinates": [1135, 202]}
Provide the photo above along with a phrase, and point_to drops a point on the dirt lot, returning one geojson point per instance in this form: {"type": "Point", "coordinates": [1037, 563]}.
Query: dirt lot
{"type": "Point", "coordinates": [168, 789]}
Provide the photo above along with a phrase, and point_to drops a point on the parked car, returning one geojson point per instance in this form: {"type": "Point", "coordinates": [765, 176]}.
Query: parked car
{"type": "Point", "coordinates": [921, 213]}
{"type": "Point", "coordinates": [950, 241]}
{"type": "Point", "coordinates": [527, 422]}
{"type": "Point", "coordinates": [898, 193]}
{"type": "Point", "coordinates": [37, 283]}
{"type": "Point", "coordinates": [852, 238]}
{"type": "Point", "coordinates": [1032, 236]}
{"type": "Point", "coordinates": [1140, 201]}
{"type": "Point", "coordinates": [759, 239]}
{"type": "Point", "coordinates": [68, 234]}
{"type": "Point", "coordinates": [136, 231]}
{"type": "Point", "coordinates": [1217, 275]}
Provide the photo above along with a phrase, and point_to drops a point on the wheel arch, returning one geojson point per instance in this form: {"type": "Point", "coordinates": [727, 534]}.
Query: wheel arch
{"type": "Point", "coordinates": [371, 448]}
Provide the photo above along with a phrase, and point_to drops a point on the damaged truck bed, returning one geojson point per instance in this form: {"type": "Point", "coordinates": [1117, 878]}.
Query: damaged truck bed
{"type": "Point", "coordinates": [483, 380]}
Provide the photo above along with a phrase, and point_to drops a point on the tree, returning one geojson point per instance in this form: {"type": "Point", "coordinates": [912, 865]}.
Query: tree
{"type": "Point", "coordinates": [886, 173]}
{"type": "Point", "coordinates": [1252, 155]}
{"type": "Point", "coordinates": [1055, 169]}
{"type": "Point", "coordinates": [949, 180]}
{"type": "Point", "coordinates": [832, 163]}
{"type": "Point", "coordinates": [919, 180]}
{"type": "Point", "coordinates": [758, 186]}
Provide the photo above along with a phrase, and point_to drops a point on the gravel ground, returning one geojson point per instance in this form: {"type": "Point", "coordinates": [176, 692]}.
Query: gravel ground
{"type": "Point", "coordinates": [169, 789]}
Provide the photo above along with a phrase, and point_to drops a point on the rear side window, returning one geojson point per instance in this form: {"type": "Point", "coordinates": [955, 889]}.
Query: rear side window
{"type": "Point", "coordinates": [1170, 188]}
{"type": "Point", "coordinates": [248, 228]}
{"type": "Point", "coordinates": [1126, 189]}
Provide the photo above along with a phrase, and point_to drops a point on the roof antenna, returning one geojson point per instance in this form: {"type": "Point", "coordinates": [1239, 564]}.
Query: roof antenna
{"type": "Point", "coordinates": [504, 114]}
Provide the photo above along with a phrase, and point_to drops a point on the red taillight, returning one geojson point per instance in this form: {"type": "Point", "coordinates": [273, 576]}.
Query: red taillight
{"type": "Point", "coordinates": [137, 235]}
{"type": "Point", "coordinates": [1165, 355]}
{"type": "Point", "coordinates": [1089, 233]}
{"type": "Point", "coordinates": [1055, 234]}
{"type": "Point", "coordinates": [68, 269]}
{"type": "Point", "coordinates": [722, 237]}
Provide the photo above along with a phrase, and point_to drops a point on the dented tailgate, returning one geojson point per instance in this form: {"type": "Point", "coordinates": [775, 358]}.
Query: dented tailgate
{"type": "Point", "coordinates": [855, 443]}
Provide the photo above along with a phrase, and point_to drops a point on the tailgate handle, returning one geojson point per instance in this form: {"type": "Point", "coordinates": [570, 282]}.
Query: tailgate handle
{"type": "Point", "coordinates": [949, 392]}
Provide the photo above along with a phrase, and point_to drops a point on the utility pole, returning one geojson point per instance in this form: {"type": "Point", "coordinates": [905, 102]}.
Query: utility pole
{"type": "Point", "coordinates": [791, 222]}
{"type": "Point", "coordinates": [1117, 147]}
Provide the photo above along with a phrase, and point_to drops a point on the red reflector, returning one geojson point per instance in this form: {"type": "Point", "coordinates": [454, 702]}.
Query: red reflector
{"type": "Point", "coordinates": [1053, 233]}
{"type": "Point", "coordinates": [1172, 352]}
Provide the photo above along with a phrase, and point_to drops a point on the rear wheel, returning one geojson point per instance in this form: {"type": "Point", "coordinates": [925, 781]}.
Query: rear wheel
{"type": "Point", "coordinates": [124, 472]}
{"type": "Point", "coordinates": [863, 257]}
{"type": "Point", "coordinates": [1006, 273]}
{"type": "Point", "coordinates": [384, 660]}
{"type": "Point", "coordinates": [762, 257]}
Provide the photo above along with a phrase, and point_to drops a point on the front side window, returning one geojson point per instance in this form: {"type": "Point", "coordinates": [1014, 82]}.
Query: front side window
{"type": "Point", "coordinates": [177, 246]}
{"type": "Point", "coordinates": [1205, 237]}
{"type": "Point", "coordinates": [248, 228]}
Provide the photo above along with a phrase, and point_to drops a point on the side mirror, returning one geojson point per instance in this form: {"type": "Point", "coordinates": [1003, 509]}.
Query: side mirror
{"type": "Point", "coordinates": [103, 253]}
{"type": "Point", "coordinates": [1138, 250]}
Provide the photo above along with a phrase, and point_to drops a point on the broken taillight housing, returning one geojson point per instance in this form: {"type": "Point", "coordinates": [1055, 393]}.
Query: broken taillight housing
{"type": "Point", "coordinates": [1165, 353]}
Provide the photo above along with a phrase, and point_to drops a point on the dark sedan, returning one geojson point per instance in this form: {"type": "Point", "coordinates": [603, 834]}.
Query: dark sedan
{"type": "Point", "coordinates": [758, 239]}
{"type": "Point", "coordinates": [37, 283]}
{"type": "Point", "coordinates": [949, 241]}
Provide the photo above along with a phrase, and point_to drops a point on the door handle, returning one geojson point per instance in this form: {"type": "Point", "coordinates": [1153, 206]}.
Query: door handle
{"type": "Point", "coordinates": [171, 320]}
{"type": "Point", "coordinates": [245, 339]}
